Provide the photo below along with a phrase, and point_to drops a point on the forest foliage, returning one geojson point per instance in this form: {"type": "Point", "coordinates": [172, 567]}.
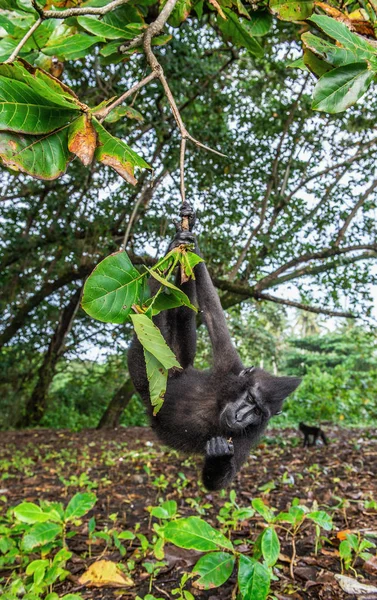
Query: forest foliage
{"type": "Point", "coordinates": [287, 215]}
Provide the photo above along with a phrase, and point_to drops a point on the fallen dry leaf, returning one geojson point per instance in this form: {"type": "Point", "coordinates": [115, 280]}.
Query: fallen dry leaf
{"type": "Point", "coordinates": [105, 573]}
{"type": "Point", "coordinates": [352, 586]}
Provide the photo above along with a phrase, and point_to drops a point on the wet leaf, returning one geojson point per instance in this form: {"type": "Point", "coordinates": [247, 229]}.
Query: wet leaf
{"type": "Point", "coordinates": [253, 579]}
{"type": "Point", "coordinates": [40, 534]}
{"type": "Point", "coordinates": [270, 546]}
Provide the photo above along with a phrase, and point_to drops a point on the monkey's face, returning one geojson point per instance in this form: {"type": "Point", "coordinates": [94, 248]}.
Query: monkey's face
{"type": "Point", "coordinates": [262, 398]}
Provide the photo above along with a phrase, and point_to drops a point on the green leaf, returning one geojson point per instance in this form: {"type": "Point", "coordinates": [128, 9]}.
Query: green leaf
{"type": "Point", "coordinates": [35, 564]}
{"type": "Point", "coordinates": [237, 31]}
{"type": "Point", "coordinates": [24, 111]}
{"type": "Point", "coordinates": [196, 534]}
{"type": "Point", "coordinates": [188, 261]}
{"type": "Point", "coordinates": [126, 535]}
{"type": "Point", "coordinates": [151, 339]}
{"type": "Point", "coordinates": [79, 505]}
{"type": "Point", "coordinates": [116, 154]}
{"type": "Point", "coordinates": [214, 569]}
{"type": "Point", "coordinates": [259, 24]}
{"type": "Point", "coordinates": [270, 546]}
{"type": "Point", "coordinates": [27, 512]}
{"type": "Point", "coordinates": [157, 378]}
{"type": "Point", "coordinates": [340, 32]}
{"type": "Point", "coordinates": [72, 47]}
{"type": "Point", "coordinates": [180, 12]}
{"type": "Point", "coordinates": [111, 289]}
{"type": "Point", "coordinates": [335, 55]}
{"type": "Point", "coordinates": [340, 88]}
{"type": "Point", "coordinates": [315, 65]}
{"type": "Point", "coordinates": [40, 534]}
{"type": "Point", "coordinates": [298, 64]}
{"type": "Point", "coordinates": [124, 111]}
{"type": "Point", "coordinates": [322, 519]}
{"type": "Point", "coordinates": [42, 83]}
{"type": "Point", "coordinates": [253, 579]}
{"type": "Point", "coordinates": [263, 509]}
{"type": "Point", "coordinates": [110, 32]}
{"type": "Point", "coordinates": [43, 157]}
{"type": "Point", "coordinates": [292, 10]}
{"type": "Point", "coordinates": [185, 300]}
{"type": "Point", "coordinates": [166, 510]}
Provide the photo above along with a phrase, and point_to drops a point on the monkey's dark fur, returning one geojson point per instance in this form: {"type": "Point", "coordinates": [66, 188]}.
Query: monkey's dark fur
{"type": "Point", "coordinates": [221, 412]}
{"type": "Point", "coordinates": [311, 434]}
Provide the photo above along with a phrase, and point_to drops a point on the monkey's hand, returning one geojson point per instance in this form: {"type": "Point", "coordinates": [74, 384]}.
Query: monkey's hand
{"type": "Point", "coordinates": [219, 447]}
{"type": "Point", "coordinates": [188, 212]}
{"type": "Point", "coordinates": [182, 237]}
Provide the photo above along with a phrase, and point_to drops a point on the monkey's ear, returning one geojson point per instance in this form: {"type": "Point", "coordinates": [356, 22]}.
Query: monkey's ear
{"type": "Point", "coordinates": [278, 388]}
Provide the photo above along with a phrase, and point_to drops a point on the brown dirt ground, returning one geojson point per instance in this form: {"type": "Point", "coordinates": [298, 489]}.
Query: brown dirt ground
{"type": "Point", "coordinates": [115, 460]}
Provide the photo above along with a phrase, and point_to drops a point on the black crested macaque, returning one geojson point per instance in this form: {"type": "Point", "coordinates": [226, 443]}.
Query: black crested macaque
{"type": "Point", "coordinates": [221, 412]}
{"type": "Point", "coordinates": [311, 434]}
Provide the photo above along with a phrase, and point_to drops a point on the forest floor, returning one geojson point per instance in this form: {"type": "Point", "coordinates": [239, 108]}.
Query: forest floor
{"type": "Point", "coordinates": [128, 471]}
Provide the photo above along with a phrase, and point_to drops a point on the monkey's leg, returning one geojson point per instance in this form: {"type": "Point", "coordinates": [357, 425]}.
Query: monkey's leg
{"type": "Point", "coordinates": [306, 440]}
{"type": "Point", "coordinates": [323, 437]}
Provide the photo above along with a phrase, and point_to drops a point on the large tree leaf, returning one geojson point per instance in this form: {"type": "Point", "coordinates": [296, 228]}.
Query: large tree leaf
{"type": "Point", "coordinates": [82, 139]}
{"type": "Point", "coordinates": [42, 83]}
{"type": "Point", "coordinates": [108, 31]}
{"type": "Point", "coordinates": [72, 47]}
{"type": "Point", "coordinates": [180, 12]}
{"type": "Point", "coordinates": [24, 111]}
{"type": "Point", "coordinates": [214, 569]}
{"type": "Point", "coordinates": [259, 24]}
{"type": "Point", "coordinates": [43, 157]}
{"type": "Point", "coordinates": [157, 378]}
{"type": "Point", "coordinates": [340, 32]}
{"type": "Point", "coordinates": [196, 534]}
{"type": "Point", "coordinates": [314, 64]}
{"type": "Point", "coordinates": [335, 55]}
{"type": "Point", "coordinates": [111, 289]}
{"type": "Point", "coordinates": [253, 579]}
{"type": "Point", "coordinates": [233, 28]}
{"type": "Point", "coordinates": [292, 10]}
{"type": "Point", "coordinates": [338, 89]}
{"type": "Point", "coordinates": [151, 339]}
{"type": "Point", "coordinates": [116, 154]}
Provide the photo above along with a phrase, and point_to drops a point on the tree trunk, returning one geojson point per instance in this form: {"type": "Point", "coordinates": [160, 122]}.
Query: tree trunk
{"type": "Point", "coordinates": [111, 417]}
{"type": "Point", "coordinates": [36, 404]}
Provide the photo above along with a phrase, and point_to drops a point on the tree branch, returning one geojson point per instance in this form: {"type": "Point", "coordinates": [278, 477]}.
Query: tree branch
{"type": "Point", "coordinates": [359, 203]}
{"type": "Point", "coordinates": [75, 12]}
{"type": "Point", "coordinates": [21, 44]}
{"type": "Point", "coordinates": [102, 113]}
{"type": "Point", "coordinates": [314, 309]}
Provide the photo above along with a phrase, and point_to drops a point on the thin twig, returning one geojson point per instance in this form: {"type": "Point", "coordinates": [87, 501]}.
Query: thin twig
{"type": "Point", "coordinates": [182, 169]}
{"type": "Point", "coordinates": [20, 45]}
{"type": "Point", "coordinates": [102, 114]}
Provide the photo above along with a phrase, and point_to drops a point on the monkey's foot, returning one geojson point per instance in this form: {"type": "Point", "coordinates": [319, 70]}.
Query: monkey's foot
{"type": "Point", "coordinates": [218, 447]}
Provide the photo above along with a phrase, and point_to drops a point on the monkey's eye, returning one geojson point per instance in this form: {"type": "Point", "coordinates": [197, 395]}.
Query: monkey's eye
{"type": "Point", "coordinates": [257, 411]}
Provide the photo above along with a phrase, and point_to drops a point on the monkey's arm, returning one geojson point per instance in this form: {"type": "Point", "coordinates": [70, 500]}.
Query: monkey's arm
{"type": "Point", "coordinates": [223, 460]}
